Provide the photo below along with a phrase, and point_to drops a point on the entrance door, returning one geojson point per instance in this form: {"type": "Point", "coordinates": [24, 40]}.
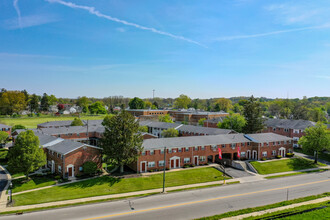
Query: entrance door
{"type": "Point", "coordinates": [172, 164]}
{"type": "Point", "coordinates": [177, 163]}
{"type": "Point", "coordinates": [143, 167]}
{"type": "Point", "coordinates": [248, 154]}
{"type": "Point", "coordinates": [254, 155]}
{"type": "Point", "coordinates": [70, 171]}
{"type": "Point", "coordinates": [196, 160]}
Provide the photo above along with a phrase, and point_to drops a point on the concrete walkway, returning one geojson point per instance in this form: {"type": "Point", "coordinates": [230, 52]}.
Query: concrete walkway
{"type": "Point", "coordinates": [5, 181]}
{"type": "Point", "coordinates": [253, 214]}
{"type": "Point", "coordinates": [296, 171]}
{"type": "Point", "coordinates": [114, 196]}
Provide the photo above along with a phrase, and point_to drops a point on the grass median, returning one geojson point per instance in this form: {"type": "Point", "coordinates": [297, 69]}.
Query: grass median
{"type": "Point", "coordinates": [108, 185]}
{"type": "Point", "coordinates": [279, 166]}
{"type": "Point", "coordinates": [297, 173]}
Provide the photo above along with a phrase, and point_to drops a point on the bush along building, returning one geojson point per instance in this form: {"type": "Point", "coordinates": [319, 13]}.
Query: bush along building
{"type": "Point", "coordinates": [199, 150]}
{"type": "Point", "coordinates": [291, 128]}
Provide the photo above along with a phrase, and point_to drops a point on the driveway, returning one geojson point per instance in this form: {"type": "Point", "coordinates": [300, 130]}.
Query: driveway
{"type": "Point", "coordinates": [3, 180]}
{"type": "Point", "coordinates": [236, 173]}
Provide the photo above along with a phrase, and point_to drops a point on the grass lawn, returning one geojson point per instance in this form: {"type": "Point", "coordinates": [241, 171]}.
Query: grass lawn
{"type": "Point", "coordinates": [278, 166]}
{"type": "Point", "coordinates": [20, 185]}
{"type": "Point", "coordinates": [109, 185]}
{"type": "Point", "coordinates": [315, 214]}
{"type": "Point", "coordinates": [3, 156]}
{"type": "Point", "coordinates": [322, 155]}
{"type": "Point", "coordinates": [32, 122]}
{"type": "Point", "coordinates": [261, 208]}
{"type": "Point", "coordinates": [297, 173]}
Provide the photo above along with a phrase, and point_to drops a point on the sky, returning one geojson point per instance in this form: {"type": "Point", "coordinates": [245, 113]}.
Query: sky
{"type": "Point", "coordinates": [201, 48]}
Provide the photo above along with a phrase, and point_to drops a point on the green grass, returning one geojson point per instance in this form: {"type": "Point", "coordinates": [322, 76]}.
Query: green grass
{"type": "Point", "coordinates": [261, 208]}
{"type": "Point", "coordinates": [20, 185]}
{"type": "Point", "coordinates": [322, 155]}
{"type": "Point", "coordinates": [107, 185]}
{"type": "Point", "coordinates": [278, 166]}
{"type": "Point", "coordinates": [297, 173]}
{"type": "Point", "coordinates": [316, 214]}
{"type": "Point", "coordinates": [32, 122]}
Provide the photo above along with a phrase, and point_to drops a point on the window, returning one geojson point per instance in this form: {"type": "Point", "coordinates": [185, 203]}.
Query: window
{"type": "Point", "coordinates": [274, 153]}
{"type": "Point", "coordinates": [186, 149]}
{"type": "Point", "coordinates": [274, 129]}
{"type": "Point", "coordinates": [286, 129]}
{"type": "Point", "coordinates": [279, 142]}
{"type": "Point", "coordinates": [161, 163]}
{"type": "Point", "coordinates": [264, 154]}
{"type": "Point", "coordinates": [233, 146]}
{"type": "Point", "coordinates": [169, 151]}
{"type": "Point", "coordinates": [242, 154]}
{"type": "Point", "coordinates": [152, 152]}
{"type": "Point", "coordinates": [161, 151]}
{"type": "Point", "coordinates": [223, 145]}
{"type": "Point", "coordinates": [196, 148]}
{"type": "Point", "coordinates": [248, 143]}
{"type": "Point", "coordinates": [274, 143]}
{"type": "Point", "coordinates": [179, 149]}
{"type": "Point", "coordinates": [58, 155]}
{"type": "Point", "coordinates": [202, 158]}
{"type": "Point", "coordinates": [80, 168]}
{"type": "Point", "coordinates": [203, 147]}
{"type": "Point", "coordinates": [290, 151]}
{"type": "Point", "coordinates": [143, 153]}
{"type": "Point", "coordinates": [266, 144]}
{"type": "Point", "coordinates": [59, 169]}
{"type": "Point", "coordinates": [151, 164]}
{"type": "Point", "coordinates": [243, 144]}
{"type": "Point", "coordinates": [62, 157]}
{"type": "Point", "coordinates": [295, 131]}
{"type": "Point", "coordinates": [186, 160]}
{"type": "Point", "coordinates": [289, 141]}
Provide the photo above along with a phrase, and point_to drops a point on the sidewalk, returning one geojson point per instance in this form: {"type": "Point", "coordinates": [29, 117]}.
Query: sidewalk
{"type": "Point", "coordinates": [95, 198]}
{"type": "Point", "coordinates": [253, 214]}
{"type": "Point", "coordinates": [3, 196]}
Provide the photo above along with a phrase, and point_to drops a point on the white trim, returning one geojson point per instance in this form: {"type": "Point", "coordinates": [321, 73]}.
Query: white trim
{"type": "Point", "coordinates": [67, 169]}
{"type": "Point", "coordinates": [146, 166]}
{"type": "Point", "coordinates": [53, 166]}
{"type": "Point", "coordinates": [85, 145]}
{"type": "Point", "coordinates": [197, 161]}
{"type": "Point", "coordinates": [254, 152]}
{"type": "Point", "coordinates": [175, 158]}
{"type": "Point", "coordinates": [248, 153]}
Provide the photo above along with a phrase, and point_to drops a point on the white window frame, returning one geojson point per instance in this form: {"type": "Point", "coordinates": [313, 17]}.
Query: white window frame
{"type": "Point", "coordinates": [161, 163]}
{"type": "Point", "coordinates": [151, 164]}
{"type": "Point", "coordinates": [186, 160]}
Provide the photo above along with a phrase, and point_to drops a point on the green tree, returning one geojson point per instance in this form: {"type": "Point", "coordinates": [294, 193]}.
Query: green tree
{"type": "Point", "coordinates": [45, 102]}
{"type": "Point", "coordinates": [171, 132]}
{"type": "Point", "coordinates": [16, 127]}
{"type": "Point", "coordinates": [165, 118]}
{"type": "Point", "coordinates": [201, 121]}
{"type": "Point", "coordinates": [3, 137]}
{"type": "Point", "coordinates": [89, 167]}
{"type": "Point", "coordinates": [12, 102]}
{"type": "Point", "coordinates": [148, 104]}
{"type": "Point", "coordinates": [234, 122]}
{"type": "Point", "coordinates": [253, 116]}
{"type": "Point", "coordinates": [182, 101]}
{"type": "Point", "coordinates": [77, 122]}
{"type": "Point", "coordinates": [52, 100]}
{"type": "Point", "coordinates": [97, 108]}
{"type": "Point", "coordinates": [316, 140]}
{"type": "Point", "coordinates": [238, 108]}
{"type": "Point", "coordinates": [26, 155]}
{"type": "Point", "coordinates": [83, 101]}
{"type": "Point", "coordinates": [223, 104]}
{"type": "Point", "coordinates": [143, 129]}
{"type": "Point", "coordinates": [34, 103]}
{"type": "Point", "coordinates": [136, 103]}
{"type": "Point", "coordinates": [316, 115]}
{"type": "Point", "coordinates": [121, 141]}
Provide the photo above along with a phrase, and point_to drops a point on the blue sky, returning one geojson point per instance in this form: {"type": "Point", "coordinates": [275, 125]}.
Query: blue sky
{"type": "Point", "coordinates": [202, 48]}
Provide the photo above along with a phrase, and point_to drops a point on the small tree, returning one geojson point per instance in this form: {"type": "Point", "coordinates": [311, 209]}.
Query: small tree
{"type": "Point", "coordinates": [97, 108]}
{"type": "Point", "coordinates": [3, 137]}
{"type": "Point", "coordinates": [171, 132]}
{"type": "Point", "coordinates": [253, 116]}
{"type": "Point", "coordinates": [143, 129]}
{"type": "Point", "coordinates": [136, 103]}
{"type": "Point", "coordinates": [165, 118]}
{"type": "Point", "coordinates": [201, 121]}
{"type": "Point", "coordinates": [89, 167]}
{"type": "Point", "coordinates": [26, 155]}
{"type": "Point", "coordinates": [77, 122]}
{"type": "Point", "coordinates": [16, 127]}
{"type": "Point", "coordinates": [234, 122]}
{"type": "Point", "coordinates": [121, 141]}
{"type": "Point", "coordinates": [316, 140]}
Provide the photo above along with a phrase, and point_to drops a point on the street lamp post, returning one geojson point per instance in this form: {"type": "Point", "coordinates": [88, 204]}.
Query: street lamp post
{"type": "Point", "coordinates": [224, 172]}
{"type": "Point", "coordinates": [10, 193]}
{"type": "Point", "coordinates": [164, 169]}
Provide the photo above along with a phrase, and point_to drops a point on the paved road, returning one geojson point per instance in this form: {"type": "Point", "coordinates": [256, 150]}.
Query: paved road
{"type": "Point", "coordinates": [195, 203]}
{"type": "Point", "coordinates": [3, 180]}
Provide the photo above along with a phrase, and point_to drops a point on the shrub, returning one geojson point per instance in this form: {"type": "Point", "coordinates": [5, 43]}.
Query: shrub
{"type": "Point", "coordinates": [278, 156]}
{"type": "Point", "coordinates": [57, 177]}
{"type": "Point", "coordinates": [89, 167]}
{"type": "Point", "coordinates": [192, 165]}
{"type": "Point", "coordinates": [167, 168]}
{"type": "Point", "coordinates": [264, 158]}
{"type": "Point", "coordinates": [186, 165]}
{"type": "Point", "coordinates": [289, 154]}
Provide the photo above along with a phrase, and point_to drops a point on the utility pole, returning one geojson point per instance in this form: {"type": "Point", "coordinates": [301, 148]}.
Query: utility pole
{"type": "Point", "coordinates": [164, 169]}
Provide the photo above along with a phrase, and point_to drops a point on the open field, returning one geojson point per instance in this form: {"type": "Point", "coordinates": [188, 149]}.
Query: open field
{"type": "Point", "coordinates": [32, 122]}
{"type": "Point", "coordinates": [109, 185]}
{"type": "Point", "coordinates": [278, 166]}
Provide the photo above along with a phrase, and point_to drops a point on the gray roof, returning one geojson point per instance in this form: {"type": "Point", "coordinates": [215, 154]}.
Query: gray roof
{"type": "Point", "coordinates": [267, 137]}
{"type": "Point", "coordinates": [203, 130]}
{"type": "Point", "coordinates": [163, 125]}
{"type": "Point", "coordinates": [68, 123]}
{"type": "Point", "coordinates": [160, 143]}
{"type": "Point", "coordinates": [45, 139]}
{"type": "Point", "coordinates": [288, 123]}
{"type": "Point", "coordinates": [65, 146]}
{"type": "Point", "coordinates": [215, 120]}
{"type": "Point", "coordinates": [68, 130]}
{"type": "Point", "coordinates": [4, 126]}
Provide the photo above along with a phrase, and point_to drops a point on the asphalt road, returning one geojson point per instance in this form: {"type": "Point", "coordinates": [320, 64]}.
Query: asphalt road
{"type": "Point", "coordinates": [3, 180]}
{"type": "Point", "coordinates": [236, 173]}
{"type": "Point", "coordinates": [195, 203]}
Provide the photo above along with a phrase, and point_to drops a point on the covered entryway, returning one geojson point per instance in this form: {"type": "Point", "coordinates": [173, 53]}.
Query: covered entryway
{"type": "Point", "coordinates": [210, 159]}
{"type": "Point", "coordinates": [143, 166]}
{"type": "Point", "coordinates": [254, 155]}
{"type": "Point", "coordinates": [70, 170]}
{"type": "Point", "coordinates": [248, 154]}
{"type": "Point", "coordinates": [281, 151]}
{"type": "Point", "coordinates": [175, 162]}
{"type": "Point", "coordinates": [196, 160]}
{"type": "Point", "coordinates": [53, 167]}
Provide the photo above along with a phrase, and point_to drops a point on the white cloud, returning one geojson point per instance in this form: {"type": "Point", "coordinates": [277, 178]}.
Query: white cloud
{"type": "Point", "coordinates": [29, 21]}
{"type": "Point", "coordinates": [121, 29]}
{"type": "Point", "coordinates": [15, 3]}
{"type": "Point", "coordinates": [93, 11]}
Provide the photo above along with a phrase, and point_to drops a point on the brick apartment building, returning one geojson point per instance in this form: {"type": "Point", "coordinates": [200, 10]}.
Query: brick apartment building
{"type": "Point", "coordinates": [5, 128]}
{"type": "Point", "coordinates": [199, 150]}
{"type": "Point", "coordinates": [291, 128]}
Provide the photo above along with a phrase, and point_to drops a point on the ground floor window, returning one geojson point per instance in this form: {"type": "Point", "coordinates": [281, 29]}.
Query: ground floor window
{"type": "Point", "coordinates": [59, 169]}
{"type": "Point", "coordinates": [290, 151]}
{"type": "Point", "coordinates": [202, 158]}
{"type": "Point", "coordinates": [186, 160]}
{"type": "Point", "coordinates": [161, 163]}
{"type": "Point", "coordinates": [264, 154]}
{"type": "Point", "coordinates": [80, 168]}
{"type": "Point", "coordinates": [243, 154]}
{"type": "Point", "coordinates": [274, 152]}
{"type": "Point", "coordinates": [151, 164]}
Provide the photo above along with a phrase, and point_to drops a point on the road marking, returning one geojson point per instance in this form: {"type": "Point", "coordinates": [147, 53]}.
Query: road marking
{"type": "Point", "coordinates": [206, 200]}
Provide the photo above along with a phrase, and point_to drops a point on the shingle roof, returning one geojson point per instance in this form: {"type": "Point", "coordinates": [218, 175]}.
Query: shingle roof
{"type": "Point", "coordinates": [190, 141]}
{"type": "Point", "coordinates": [203, 130]}
{"type": "Point", "coordinates": [65, 146]}
{"type": "Point", "coordinates": [4, 126]}
{"type": "Point", "coordinates": [68, 123]}
{"type": "Point", "coordinates": [163, 125]}
{"type": "Point", "coordinates": [288, 123]}
{"type": "Point", "coordinates": [267, 137]}
{"type": "Point", "coordinates": [45, 139]}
